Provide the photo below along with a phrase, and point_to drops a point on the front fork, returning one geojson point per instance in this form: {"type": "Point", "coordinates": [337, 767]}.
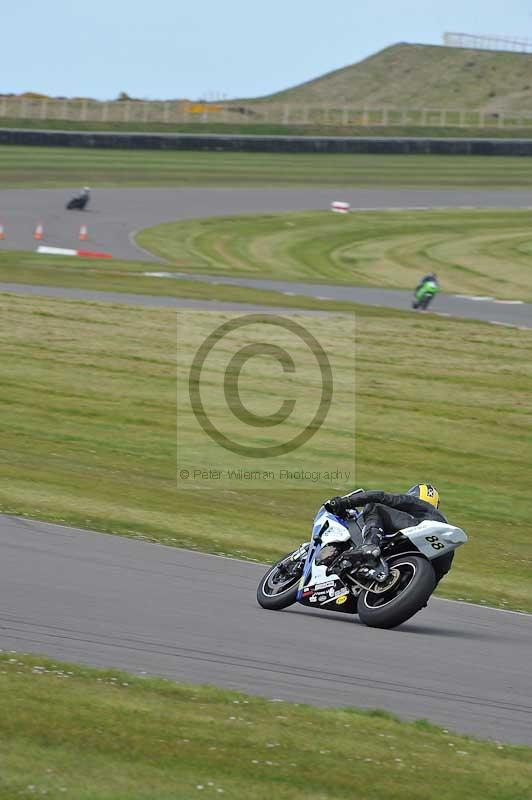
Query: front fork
{"type": "Point", "coordinates": [293, 559]}
{"type": "Point", "coordinates": [309, 550]}
{"type": "Point", "coordinates": [303, 549]}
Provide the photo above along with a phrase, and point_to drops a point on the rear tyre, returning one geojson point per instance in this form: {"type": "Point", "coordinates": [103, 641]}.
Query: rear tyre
{"type": "Point", "coordinates": [412, 581]}
{"type": "Point", "coordinates": [278, 588]}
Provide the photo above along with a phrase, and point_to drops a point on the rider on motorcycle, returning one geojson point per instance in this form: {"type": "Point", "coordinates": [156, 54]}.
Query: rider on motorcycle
{"type": "Point", "coordinates": [430, 277]}
{"type": "Point", "coordinates": [80, 200]}
{"type": "Point", "coordinates": [388, 513]}
{"type": "Point", "coordinates": [426, 289]}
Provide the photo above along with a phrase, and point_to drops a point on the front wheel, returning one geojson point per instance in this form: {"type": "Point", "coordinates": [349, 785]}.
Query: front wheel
{"type": "Point", "coordinates": [278, 588]}
{"type": "Point", "coordinates": [406, 591]}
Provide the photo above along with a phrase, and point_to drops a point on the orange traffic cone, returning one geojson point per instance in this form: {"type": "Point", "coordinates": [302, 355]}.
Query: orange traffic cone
{"type": "Point", "coordinates": [2, 232]}
{"type": "Point", "coordinates": [83, 233]}
{"type": "Point", "coordinates": [39, 230]}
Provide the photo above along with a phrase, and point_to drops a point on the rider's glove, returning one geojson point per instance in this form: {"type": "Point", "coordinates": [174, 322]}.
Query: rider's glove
{"type": "Point", "coordinates": [337, 506]}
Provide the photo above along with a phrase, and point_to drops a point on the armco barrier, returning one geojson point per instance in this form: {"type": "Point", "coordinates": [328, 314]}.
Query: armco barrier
{"type": "Point", "coordinates": [268, 144]}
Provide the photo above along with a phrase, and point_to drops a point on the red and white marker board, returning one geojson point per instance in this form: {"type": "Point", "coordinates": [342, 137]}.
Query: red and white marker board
{"type": "Point", "coordinates": [65, 251]}
{"type": "Point", "coordinates": [340, 207]}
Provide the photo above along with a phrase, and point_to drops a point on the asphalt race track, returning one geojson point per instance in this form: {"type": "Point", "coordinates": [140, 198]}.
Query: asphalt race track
{"type": "Point", "coordinates": [106, 601]}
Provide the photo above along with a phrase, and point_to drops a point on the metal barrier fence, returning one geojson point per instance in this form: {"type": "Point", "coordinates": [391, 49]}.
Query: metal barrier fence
{"type": "Point", "coordinates": [515, 44]}
{"type": "Point", "coordinates": [258, 113]}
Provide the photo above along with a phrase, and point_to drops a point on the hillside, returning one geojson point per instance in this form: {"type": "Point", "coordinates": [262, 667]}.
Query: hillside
{"type": "Point", "coordinates": [424, 76]}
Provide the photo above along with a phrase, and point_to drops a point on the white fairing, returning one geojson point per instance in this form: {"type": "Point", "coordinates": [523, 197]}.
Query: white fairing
{"type": "Point", "coordinates": [319, 576]}
{"type": "Point", "coordinates": [435, 539]}
{"type": "Point", "coordinates": [336, 532]}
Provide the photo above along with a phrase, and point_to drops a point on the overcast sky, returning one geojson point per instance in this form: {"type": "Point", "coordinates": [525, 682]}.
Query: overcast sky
{"type": "Point", "coordinates": [214, 48]}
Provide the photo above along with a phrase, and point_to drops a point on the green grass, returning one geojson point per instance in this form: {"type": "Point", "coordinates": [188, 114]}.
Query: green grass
{"type": "Point", "coordinates": [473, 252]}
{"type": "Point", "coordinates": [433, 130]}
{"type": "Point", "coordinates": [72, 731]}
{"type": "Point", "coordinates": [83, 273]}
{"type": "Point", "coordinates": [88, 405]}
{"type": "Point", "coordinates": [66, 167]}
{"type": "Point", "coordinates": [88, 415]}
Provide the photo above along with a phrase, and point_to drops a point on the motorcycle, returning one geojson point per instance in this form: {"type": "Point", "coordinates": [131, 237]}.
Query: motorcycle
{"type": "Point", "coordinates": [384, 595]}
{"type": "Point", "coordinates": [424, 295]}
{"type": "Point", "coordinates": [80, 201]}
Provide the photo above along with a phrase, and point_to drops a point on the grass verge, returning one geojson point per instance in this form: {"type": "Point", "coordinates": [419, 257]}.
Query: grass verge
{"type": "Point", "coordinates": [474, 252]}
{"type": "Point", "coordinates": [66, 167]}
{"type": "Point", "coordinates": [72, 731]}
{"type": "Point", "coordinates": [128, 276]}
{"type": "Point", "coordinates": [267, 129]}
{"type": "Point", "coordinates": [88, 403]}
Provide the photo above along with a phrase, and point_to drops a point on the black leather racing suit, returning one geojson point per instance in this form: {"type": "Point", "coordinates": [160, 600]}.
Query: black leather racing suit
{"type": "Point", "coordinates": [392, 512]}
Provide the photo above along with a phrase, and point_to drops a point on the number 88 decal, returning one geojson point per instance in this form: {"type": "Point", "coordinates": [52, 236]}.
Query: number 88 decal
{"type": "Point", "coordinates": [435, 542]}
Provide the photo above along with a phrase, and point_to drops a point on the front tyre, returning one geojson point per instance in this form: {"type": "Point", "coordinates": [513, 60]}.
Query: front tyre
{"type": "Point", "coordinates": [411, 583]}
{"type": "Point", "coordinates": [278, 588]}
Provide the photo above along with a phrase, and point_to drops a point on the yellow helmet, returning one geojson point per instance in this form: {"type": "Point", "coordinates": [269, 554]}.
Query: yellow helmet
{"type": "Point", "coordinates": [426, 492]}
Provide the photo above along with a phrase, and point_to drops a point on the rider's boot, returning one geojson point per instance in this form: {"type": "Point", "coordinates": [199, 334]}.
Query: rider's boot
{"type": "Point", "coordinates": [369, 551]}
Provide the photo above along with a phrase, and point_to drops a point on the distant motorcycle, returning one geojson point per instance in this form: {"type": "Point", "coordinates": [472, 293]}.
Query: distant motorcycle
{"type": "Point", "coordinates": [424, 295]}
{"type": "Point", "coordinates": [79, 201]}
{"type": "Point", "coordinates": [384, 596]}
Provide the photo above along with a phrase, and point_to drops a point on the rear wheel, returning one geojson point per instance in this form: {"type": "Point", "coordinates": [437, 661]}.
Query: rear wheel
{"type": "Point", "coordinates": [278, 588]}
{"type": "Point", "coordinates": [409, 586]}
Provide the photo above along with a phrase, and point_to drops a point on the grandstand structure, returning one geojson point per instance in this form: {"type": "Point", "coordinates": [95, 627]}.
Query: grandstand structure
{"type": "Point", "coordinates": [473, 42]}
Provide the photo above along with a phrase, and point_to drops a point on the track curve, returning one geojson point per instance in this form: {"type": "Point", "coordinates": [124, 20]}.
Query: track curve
{"type": "Point", "coordinates": [114, 602]}
{"type": "Point", "coordinates": [118, 213]}
{"type": "Point", "coordinates": [115, 214]}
